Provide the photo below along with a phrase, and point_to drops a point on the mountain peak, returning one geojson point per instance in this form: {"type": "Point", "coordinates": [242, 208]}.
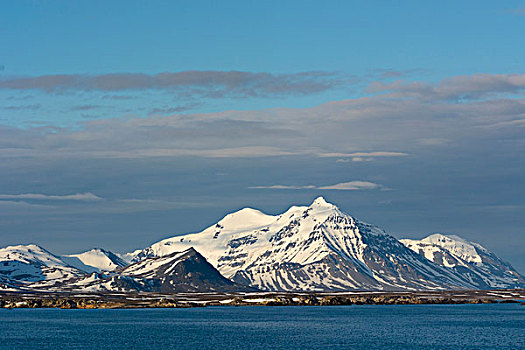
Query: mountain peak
{"type": "Point", "coordinates": [457, 246]}
{"type": "Point", "coordinates": [190, 252]}
{"type": "Point", "coordinates": [26, 247]}
{"type": "Point", "coordinates": [245, 218]}
{"type": "Point", "coordinates": [96, 251]}
{"type": "Point", "coordinates": [28, 250]}
{"type": "Point", "coordinates": [321, 202]}
{"type": "Point", "coordinates": [468, 259]}
{"type": "Point", "coordinates": [440, 237]}
{"type": "Point", "coordinates": [100, 259]}
{"type": "Point", "coordinates": [33, 263]}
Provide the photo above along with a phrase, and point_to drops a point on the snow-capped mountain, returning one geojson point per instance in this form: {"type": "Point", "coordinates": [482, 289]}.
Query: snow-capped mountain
{"type": "Point", "coordinates": [309, 248]}
{"type": "Point", "coordinates": [180, 272]}
{"type": "Point", "coordinates": [94, 282]}
{"type": "Point", "coordinates": [129, 257]}
{"type": "Point", "coordinates": [8, 285]}
{"type": "Point", "coordinates": [467, 259]}
{"type": "Point", "coordinates": [27, 263]}
{"type": "Point", "coordinates": [97, 258]}
{"type": "Point", "coordinates": [185, 272]}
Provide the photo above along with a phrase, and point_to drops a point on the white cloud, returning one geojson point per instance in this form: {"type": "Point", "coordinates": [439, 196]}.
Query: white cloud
{"type": "Point", "coordinates": [364, 154]}
{"type": "Point", "coordinates": [235, 152]}
{"type": "Point", "coordinates": [517, 123]}
{"type": "Point", "coordinates": [352, 185]}
{"type": "Point", "coordinates": [343, 186]}
{"type": "Point", "coordinates": [87, 196]}
{"type": "Point", "coordinates": [359, 129]}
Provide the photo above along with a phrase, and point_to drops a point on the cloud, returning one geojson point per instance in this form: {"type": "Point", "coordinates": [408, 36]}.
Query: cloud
{"type": "Point", "coordinates": [22, 107]}
{"type": "Point", "coordinates": [176, 109]}
{"type": "Point", "coordinates": [117, 97]}
{"type": "Point", "coordinates": [352, 185]}
{"type": "Point", "coordinates": [366, 128]}
{"type": "Point", "coordinates": [343, 186]}
{"type": "Point", "coordinates": [516, 122]}
{"type": "Point", "coordinates": [458, 87]}
{"type": "Point", "coordinates": [364, 154]}
{"type": "Point", "coordinates": [209, 84]}
{"type": "Point", "coordinates": [237, 152]}
{"type": "Point", "coordinates": [84, 107]}
{"type": "Point", "coordinates": [87, 196]}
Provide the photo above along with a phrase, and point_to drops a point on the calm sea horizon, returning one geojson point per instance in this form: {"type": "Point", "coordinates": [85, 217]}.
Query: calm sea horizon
{"type": "Point", "coordinates": [224, 327]}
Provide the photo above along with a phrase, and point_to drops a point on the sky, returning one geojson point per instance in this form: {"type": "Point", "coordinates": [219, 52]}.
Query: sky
{"type": "Point", "coordinates": [126, 122]}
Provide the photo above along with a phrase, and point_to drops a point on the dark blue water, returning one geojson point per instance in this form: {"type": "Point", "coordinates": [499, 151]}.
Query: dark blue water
{"type": "Point", "coordinates": [329, 327]}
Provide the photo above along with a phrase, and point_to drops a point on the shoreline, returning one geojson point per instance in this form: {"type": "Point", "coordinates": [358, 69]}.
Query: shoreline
{"type": "Point", "coordinates": [10, 300]}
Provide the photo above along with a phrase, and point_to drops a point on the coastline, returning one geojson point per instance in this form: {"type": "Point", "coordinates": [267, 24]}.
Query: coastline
{"type": "Point", "coordinates": [10, 300]}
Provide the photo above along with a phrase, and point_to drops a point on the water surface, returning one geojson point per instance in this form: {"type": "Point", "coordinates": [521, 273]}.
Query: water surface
{"type": "Point", "coordinates": [252, 327]}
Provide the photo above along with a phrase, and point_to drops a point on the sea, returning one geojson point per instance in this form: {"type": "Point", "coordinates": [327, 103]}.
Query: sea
{"type": "Point", "coordinates": [492, 326]}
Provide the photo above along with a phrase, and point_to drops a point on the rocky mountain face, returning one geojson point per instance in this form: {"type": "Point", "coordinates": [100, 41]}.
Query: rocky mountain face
{"type": "Point", "coordinates": [311, 248]}
{"type": "Point", "coordinates": [186, 271]}
{"type": "Point", "coordinates": [467, 259]}
{"type": "Point", "coordinates": [307, 248]}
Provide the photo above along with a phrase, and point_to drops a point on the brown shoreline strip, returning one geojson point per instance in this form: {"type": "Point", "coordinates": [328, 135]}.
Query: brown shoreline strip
{"type": "Point", "coordinates": [184, 300]}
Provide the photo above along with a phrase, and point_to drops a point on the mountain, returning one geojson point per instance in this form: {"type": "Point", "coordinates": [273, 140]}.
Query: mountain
{"type": "Point", "coordinates": [28, 263]}
{"type": "Point", "coordinates": [179, 272]}
{"type": "Point", "coordinates": [94, 282]}
{"type": "Point", "coordinates": [98, 259]}
{"type": "Point", "coordinates": [129, 257]}
{"type": "Point", "coordinates": [306, 248]}
{"type": "Point", "coordinates": [468, 259]}
{"type": "Point", "coordinates": [186, 271]}
{"type": "Point", "coordinates": [309, 248]}
{"type": "Point", "coordinates": [8, 285]}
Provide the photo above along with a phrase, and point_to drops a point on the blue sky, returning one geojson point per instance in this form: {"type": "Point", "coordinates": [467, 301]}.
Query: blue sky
{"type": "Point", "coordinates": [124, 122]}
{"type": "Point", "coordinates": [449, 37]}
{"type": "Point", "coordinates": [427, 41]}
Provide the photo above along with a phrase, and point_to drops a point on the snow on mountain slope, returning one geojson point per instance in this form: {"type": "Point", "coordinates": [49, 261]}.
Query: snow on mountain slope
{"type": "Point", "coordinates": [186, 271]}
{"type": "Point", "coordinates": [129, 257]}
{"type": "Point", "coordinates": [33, 263]}
{"type": "Point", "coordinates": [8, 285]}
{"type": "Point", "coordinates": [99, 259]}
{"type": "Point", "coordinates": [314, 247]}
{"type": "Point", "coordinates": [181, 272]}
{"type": "Point", "coordinates": [468, 259]}
{"type": "Point", "coordinates": [94, 282]}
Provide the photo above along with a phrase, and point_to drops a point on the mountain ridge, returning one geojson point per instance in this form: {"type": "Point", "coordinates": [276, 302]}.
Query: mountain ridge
{"type": "Point", "coordinates": [179, 272]}
{"type": "Point", "coordinates": [31, 262]}
{"type": "Point", "coordinates": [99, 259]}
{"type": "Point", "coordinates": [469, 259]}
{"type": "Point", "coordinates": [307, 248]}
